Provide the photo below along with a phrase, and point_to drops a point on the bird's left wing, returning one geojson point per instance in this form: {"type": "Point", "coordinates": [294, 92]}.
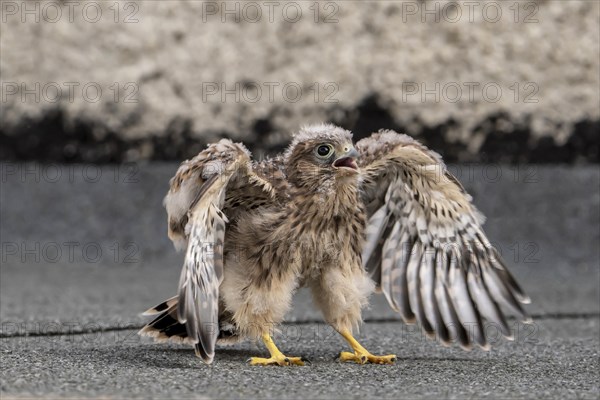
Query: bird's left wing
{"type": "Point", "coordinates": [425, 247]}
{"type": "Point", "coordinates": [205, 192]}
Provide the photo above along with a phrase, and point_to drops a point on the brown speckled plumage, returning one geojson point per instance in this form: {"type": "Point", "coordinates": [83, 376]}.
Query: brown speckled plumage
{"type": "Point", "coordinates": [396, 220]}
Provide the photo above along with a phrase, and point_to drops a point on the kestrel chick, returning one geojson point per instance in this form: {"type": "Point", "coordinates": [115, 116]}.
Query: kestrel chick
{"type": "Point", "coordinates": [340, 219]}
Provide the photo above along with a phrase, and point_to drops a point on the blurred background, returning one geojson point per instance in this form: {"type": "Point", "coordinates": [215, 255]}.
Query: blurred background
{"type": "Point", "coordinates": [115, 81]}
{"type": "Point", "coordinates": [101, 101]}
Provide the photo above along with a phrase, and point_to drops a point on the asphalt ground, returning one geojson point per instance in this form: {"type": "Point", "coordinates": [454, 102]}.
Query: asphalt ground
{"type": "Point", "coordinates": [84, 251]}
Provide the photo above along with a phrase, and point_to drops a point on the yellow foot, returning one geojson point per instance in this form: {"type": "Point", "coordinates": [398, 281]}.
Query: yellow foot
{"type": "Point", "coordinates": [283, 360]}
{"type": "Point", "coordinates": [365, 357]}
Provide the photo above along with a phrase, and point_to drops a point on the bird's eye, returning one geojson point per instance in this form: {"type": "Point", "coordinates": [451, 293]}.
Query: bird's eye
{"type": "Point", "coordinates": [324, 150]}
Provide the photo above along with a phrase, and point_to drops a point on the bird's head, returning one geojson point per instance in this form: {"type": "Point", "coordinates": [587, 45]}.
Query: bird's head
{"type": "Point", "coordinates": [321, 156]}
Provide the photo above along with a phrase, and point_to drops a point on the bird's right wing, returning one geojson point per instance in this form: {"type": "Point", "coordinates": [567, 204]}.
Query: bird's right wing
{"type": "Point", "coordinates": [217, 182]}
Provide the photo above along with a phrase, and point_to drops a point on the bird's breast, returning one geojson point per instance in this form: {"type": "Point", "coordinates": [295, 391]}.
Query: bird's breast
{"type": "Point", "coordinates": [326, 248]}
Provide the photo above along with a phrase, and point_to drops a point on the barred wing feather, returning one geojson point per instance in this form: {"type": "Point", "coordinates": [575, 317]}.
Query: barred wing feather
{"type": "Point", "coordinates": [425, 246]}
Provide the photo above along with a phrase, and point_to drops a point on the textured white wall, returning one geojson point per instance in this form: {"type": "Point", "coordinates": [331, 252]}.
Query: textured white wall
{"type": "Point", "coordinates": [171, 58]}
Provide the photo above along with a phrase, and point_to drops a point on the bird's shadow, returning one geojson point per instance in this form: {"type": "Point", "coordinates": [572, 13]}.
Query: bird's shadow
{"type": "Point", "coordinates": [183, 358]}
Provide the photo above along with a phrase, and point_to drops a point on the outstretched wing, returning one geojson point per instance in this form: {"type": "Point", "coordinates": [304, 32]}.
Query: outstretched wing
{"type": "Point", "coordinates": [425, 247]}
{"type": "Point", "coordinates": [205, 194]}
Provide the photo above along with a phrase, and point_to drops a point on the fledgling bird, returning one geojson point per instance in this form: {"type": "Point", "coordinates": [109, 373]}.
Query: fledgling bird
{"type": "Point", "coordinates": [341, 219]}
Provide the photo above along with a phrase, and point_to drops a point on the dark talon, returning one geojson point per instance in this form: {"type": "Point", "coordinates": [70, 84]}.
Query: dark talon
{"type": "Point", "coordinates": [363, 359]}
{"type": "Point", "coordinates": [286, 360]}
{"type": "Point", "coordinates": [393, 359]}
{"type": "Point", "coordinates": [306, 360]}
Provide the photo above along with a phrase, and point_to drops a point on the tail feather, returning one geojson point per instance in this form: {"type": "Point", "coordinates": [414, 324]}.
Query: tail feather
{"type": "Point", "coordinates": [165, 305]}
{"type": "Point", "coordinates": [166, 328]}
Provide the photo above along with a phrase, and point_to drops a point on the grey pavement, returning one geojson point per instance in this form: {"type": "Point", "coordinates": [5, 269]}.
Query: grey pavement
{"type": "Point", "coordinates": [84, 251]}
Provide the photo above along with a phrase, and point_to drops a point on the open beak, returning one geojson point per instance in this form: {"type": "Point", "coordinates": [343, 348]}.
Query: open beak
{"type": "Point", "coordinates": [348, 160]}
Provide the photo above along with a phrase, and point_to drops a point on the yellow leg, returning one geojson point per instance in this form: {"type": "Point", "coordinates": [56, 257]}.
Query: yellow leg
{"type": "Point", "coordinates": [361, 355]}
{"type": "Point", "coordinates": [277, 357]}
